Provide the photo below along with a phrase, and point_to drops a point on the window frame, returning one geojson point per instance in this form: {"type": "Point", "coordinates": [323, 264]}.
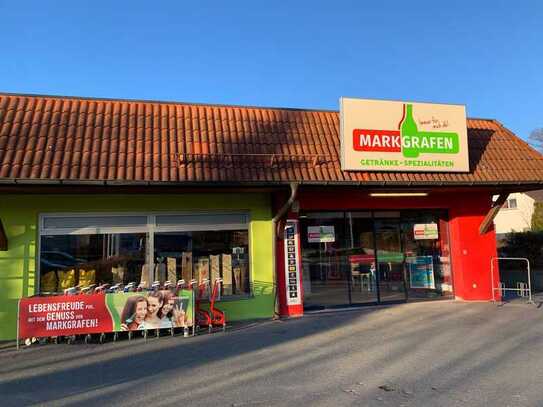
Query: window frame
{"type": "Point", "coordinates": [150, 228]}
{"type": "Point", "coordinates": [508, 201]}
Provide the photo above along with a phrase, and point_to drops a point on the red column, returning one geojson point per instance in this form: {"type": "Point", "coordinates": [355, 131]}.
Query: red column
{"type": "Point", "coordinates": [471, 251]}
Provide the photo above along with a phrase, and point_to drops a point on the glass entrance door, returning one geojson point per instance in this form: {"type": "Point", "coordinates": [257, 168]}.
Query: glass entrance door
{"type": "Point", "coordinates": [425, 243]}
{"type": "Point", "coordinates": [391, 277]}
{"type": "Point", "coordinates": [326, 273]}
{"type": "Point", "coordinates": [361, 257]}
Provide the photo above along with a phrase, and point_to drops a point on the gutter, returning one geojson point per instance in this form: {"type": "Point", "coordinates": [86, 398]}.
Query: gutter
{"type": "Point", "coordinates": [280, 214]}
{"type": "Point", "coordinates": [127, 183]}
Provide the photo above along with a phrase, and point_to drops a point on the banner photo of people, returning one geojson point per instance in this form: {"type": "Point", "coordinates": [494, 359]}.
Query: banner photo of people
{"type": "Point", "coordinates": [154, 310]}
{"type": "Point", "coordinates": [65, 315]}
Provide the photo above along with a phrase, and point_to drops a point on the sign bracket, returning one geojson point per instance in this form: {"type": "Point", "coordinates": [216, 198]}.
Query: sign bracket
{"type": "Point", "coordinates": [492, 213]}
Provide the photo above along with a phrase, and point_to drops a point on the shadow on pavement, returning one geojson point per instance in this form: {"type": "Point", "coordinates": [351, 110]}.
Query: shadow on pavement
{"type": "Point", "coordinates": [311, 357]}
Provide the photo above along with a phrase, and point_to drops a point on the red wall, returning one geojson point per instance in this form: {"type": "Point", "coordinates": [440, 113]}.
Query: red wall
{"type": "Point", "coordinates": [470, 251]}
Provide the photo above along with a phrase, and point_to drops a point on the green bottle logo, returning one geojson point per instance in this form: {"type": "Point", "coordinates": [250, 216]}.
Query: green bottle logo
{"type": "Point", "coordinates": [415, 142]}
{"type": "Point", "coordinates": [409, 130]}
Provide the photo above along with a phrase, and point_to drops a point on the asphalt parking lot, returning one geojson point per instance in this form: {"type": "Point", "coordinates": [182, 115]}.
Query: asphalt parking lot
{"type": "Point", "coordinates": [442, 353]}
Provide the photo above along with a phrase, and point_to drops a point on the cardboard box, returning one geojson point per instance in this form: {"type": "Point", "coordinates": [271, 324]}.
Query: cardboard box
{"type": "Point", "coordinates": [244, 278]}
{"type": "Point", "coordinates": [227, 274]}
{"type": "Point", "coordinates": [237, 280]}
{"type": "Point", "coordinates": [215, 262]}
{"type": "Point", "coordinates": [160, 272]}
{"type": "Point", "coordinates": [186, 266]}
{"type": "Point", "coordinates": [171, 265]}
{"type": "Point", "coordinates": [146, 279]}
{"type": "Point", "coordinates": [203, 269]}
{"type": "Point", "coordinates": [118, 274]}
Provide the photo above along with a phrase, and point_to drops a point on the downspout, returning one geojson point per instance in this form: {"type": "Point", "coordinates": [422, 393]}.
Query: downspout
{"type": "Point", "coordinates": [282, 212]}
{"type": "Point", "coordinates": [3, 238]}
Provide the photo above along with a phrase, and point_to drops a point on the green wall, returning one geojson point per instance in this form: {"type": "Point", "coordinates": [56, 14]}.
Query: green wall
{"type": "Point", "coordinates": [19, 214]}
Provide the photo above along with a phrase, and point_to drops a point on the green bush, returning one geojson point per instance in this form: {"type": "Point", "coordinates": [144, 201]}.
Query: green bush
{"type": "Point", "coordinates": [537, 217]}
{"type": "Point", "coordinates": [524, 244]}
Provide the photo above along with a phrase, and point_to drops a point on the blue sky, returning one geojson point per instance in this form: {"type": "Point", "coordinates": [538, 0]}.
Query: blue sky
{"type": "Point", "coordinates": [487, 55]}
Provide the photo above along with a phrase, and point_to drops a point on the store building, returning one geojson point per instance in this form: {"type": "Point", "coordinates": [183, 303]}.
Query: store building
{"type": "Point", "coordinates": [95, 190]}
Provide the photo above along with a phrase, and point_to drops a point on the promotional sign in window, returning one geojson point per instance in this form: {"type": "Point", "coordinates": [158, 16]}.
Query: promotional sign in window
{"type": "Point", "coordinates": [292, 263]}
{"type": "Point", "coordinates": [66, 315]}
{"type": "Point", "coordinates": [384, 135]}
{"type": "Point", "coordinates": [321, 234]}
{"type": "Point", "coordinates": [421, 272]}
{"type": "Point", "coordinates": [425, 231]}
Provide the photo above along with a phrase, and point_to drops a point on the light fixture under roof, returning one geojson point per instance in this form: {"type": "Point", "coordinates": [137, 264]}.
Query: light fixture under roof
{"type": "Point", "coordinates": [396, 194]}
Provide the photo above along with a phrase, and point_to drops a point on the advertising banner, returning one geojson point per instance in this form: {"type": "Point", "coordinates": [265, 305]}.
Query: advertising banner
{"type": "Point", "coordinates": [292, 263]}
{"type": "Point", "coordinates": [66, 315]}
{"type": "Point", "coordinates": [421, 272]}
{"type": "Point", "coordinates": [383, 135]}
{"type": "Point", "coordinates": [321, 234]}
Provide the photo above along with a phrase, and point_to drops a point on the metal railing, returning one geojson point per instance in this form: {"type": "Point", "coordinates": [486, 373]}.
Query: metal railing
{"type": "Point", "coordinates": [522, 289]}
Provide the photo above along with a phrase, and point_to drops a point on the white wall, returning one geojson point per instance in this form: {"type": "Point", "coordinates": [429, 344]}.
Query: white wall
{"type": "Point", "coordinates": [518, 219]}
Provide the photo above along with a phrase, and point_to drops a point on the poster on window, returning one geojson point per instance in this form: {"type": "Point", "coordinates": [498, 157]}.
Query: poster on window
{"type": "Point", "coordinates": [65, 315]}
{"type": "Point", "coordinates": [425, 231]}
{"type": "Point", "coordinates": [421, 272]}
{"type": "Point", "coordinates": [321, 234]}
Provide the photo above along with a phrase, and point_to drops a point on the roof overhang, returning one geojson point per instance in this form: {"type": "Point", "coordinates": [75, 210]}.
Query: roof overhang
{"type": "Point", "coordinates": [113, 186]}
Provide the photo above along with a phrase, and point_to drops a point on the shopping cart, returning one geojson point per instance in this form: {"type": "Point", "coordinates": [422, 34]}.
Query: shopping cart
{"type": "Point", "coordinates": [203, 318]}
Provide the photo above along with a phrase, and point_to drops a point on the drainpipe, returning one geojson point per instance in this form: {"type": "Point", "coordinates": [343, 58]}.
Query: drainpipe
{"type": "Point", "coordinates": [282, 212]}
{"type": "Point", "coordinates": [3, 239]}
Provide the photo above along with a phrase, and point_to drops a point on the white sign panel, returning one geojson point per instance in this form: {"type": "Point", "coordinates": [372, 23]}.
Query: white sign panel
{"type": "Point", "coordinates": [380, 135]}
{"type": "Point", "coordinates": [292, 263]}
{"type": "Point", "coordinates": [425, 231]}
{"type": "Point", "coordinates": [321, 234]}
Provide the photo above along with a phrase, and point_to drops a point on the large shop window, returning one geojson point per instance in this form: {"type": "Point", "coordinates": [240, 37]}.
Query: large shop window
{"type": "Point", "coordinates": [83, 250]}
{"type": "Point", "coordinates": [375, 256]}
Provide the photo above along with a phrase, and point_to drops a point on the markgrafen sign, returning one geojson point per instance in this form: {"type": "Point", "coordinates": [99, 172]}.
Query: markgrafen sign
{"type": "Point", "coordinates": [381, 135]}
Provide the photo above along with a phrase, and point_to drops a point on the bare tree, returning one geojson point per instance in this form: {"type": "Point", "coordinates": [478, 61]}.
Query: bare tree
{"type": "Point", "coordinates": [536, 138]}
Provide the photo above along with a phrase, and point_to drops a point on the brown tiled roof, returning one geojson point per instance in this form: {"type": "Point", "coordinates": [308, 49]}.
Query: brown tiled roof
{"type": "Point", "coordinates": [67, 139]}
